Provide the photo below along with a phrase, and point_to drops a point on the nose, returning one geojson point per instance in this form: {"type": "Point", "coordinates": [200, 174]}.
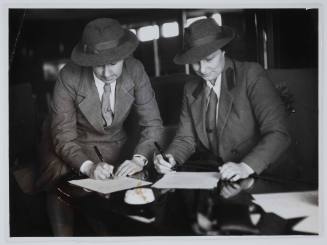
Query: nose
{"type": "Point", "coordinates": [202, 67]}
{"type": "Point", "coordinates": [107, 70]}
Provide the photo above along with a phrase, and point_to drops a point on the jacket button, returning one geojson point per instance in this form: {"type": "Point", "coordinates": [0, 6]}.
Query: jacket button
{"type": "Point", "coordinates": [234, 152]}
{"type": "Point", "coordinates": [209, 131]}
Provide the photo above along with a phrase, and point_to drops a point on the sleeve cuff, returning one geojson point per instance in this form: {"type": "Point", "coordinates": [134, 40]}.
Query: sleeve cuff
{"type": "Point", "coordinates": [85, 166]}
{"type": "Point", "coordinates": [248, 168]}
{"type": "Point", "coordinates": [141, 158]}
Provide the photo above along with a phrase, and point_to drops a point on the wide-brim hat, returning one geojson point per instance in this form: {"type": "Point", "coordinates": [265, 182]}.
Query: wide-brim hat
{"type": "Point", "coordinates": [104, 41]}
{"type": "Point", "coordinates": [202, 38]}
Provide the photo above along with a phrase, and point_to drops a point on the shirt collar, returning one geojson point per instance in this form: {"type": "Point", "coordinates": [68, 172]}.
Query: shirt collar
{"type": "Point", "coordinates": [100, 83]}
{"type": "Point", "coordinates": [217, 85]}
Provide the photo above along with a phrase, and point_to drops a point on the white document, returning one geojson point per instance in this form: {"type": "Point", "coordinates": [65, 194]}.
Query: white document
{"type": "Point", "coordinates": [292, 205]}
{"type": "Point", "coordinates": [109, 185]}
{"type": "Point", "coordinates": [188, 180]}
{"type": "Point", "coordinates": [309, 224]}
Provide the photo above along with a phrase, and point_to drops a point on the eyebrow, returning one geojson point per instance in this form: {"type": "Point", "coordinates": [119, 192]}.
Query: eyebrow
{"type": "Point", "coordinates": [210, 56]}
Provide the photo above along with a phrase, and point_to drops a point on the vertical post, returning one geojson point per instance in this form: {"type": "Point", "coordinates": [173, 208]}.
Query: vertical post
{"type": "Point", "coordinates": [270, 41]}
{"type": "Point", "coordinates": [257, 36]}
{"type": "Point", "coordinates": [265, 50]}
{"type": "Point", "coordinates": [187, 67]}
{"type": "Point", "coordinates": [156, 56]}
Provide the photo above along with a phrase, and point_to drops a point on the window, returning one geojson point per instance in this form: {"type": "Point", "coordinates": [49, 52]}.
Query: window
{"type": "Point", "coordinates": [148, 33]}
{"type": "Point", "coordinates": [217, 18]}
{"type": "Point", "coordinates": [170, 29]}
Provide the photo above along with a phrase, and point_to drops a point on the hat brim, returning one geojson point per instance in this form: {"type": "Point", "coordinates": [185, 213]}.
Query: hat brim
{"type": "Point", "coordinates": [198, 53]}
{"type": "Point", "coordinates": [121, 52]}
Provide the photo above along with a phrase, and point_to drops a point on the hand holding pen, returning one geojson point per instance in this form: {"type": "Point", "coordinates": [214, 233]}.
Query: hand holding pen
{"type": "Point", "coordinates": [163, 163]}
{"type": "Point", "coordinates": [101, 170]}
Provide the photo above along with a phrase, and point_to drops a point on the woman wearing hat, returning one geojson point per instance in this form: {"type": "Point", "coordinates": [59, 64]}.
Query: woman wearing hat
{"type": "Point", "coordinates": [91, 100]}
{"type": "Point", "coordinates": [231, 112]}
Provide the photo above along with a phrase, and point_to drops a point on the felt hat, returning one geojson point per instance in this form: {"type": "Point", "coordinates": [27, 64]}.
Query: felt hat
{"type": "Point", "coordinates": [202, 38]}
{"type": "Point", "coordinates": [103, 41]}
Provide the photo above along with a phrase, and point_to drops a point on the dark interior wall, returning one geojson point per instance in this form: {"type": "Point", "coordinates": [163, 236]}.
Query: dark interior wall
{"type": "Point", "coordinates": [303, 123]}
{"type": "Point", "coordinates": [292, 37]}
{"type": "Point", "coordinates": [244, 45]}
{"type": "Point", "coordinates": [41, 35]}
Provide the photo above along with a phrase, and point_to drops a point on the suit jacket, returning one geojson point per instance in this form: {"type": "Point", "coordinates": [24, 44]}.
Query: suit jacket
{"type": "Point", "coordinates": [77, 123]}
{"type": "Point", "coordinates": [251, 118]}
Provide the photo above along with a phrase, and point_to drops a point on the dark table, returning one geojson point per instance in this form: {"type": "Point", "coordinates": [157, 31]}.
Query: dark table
{"type": "Point", "coordinates": [224, 210]}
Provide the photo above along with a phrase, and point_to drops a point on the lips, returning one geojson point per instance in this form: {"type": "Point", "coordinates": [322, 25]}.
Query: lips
{"type": "Point", "coordinates": [206, 76]}
{"type": "Point", "coordinates": [108, 79]}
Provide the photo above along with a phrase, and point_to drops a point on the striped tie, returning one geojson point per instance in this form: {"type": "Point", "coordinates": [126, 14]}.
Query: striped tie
{"type": "Point", "coordinates": [105, 106]}
{"type": "Point", "coordinates": [211, 125]}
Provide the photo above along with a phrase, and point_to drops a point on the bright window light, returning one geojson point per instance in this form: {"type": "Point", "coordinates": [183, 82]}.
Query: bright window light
{"type": "Point", "coordinates": [217, 18]}
{"type": "Point", "coordinates": [170, 29]}
{"type": "Point", "coordinates": [133, 30]}
{"type": "Point", "coordinates": [191, 20]}
{"type": "Point", "coordinates": [148, 33]}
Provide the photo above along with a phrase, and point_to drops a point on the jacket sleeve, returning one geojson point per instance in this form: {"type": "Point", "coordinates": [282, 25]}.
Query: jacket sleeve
{"type": "Point", "coordinates": [148, 112]}
{"type": "Point", "coordinates": [63, 123]}
{"type": "Point", "coordinates": [184, 144]}
{"type": "Point", "coordinates": [271, 117]}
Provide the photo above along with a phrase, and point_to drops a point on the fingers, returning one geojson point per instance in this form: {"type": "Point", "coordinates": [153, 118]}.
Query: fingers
{"type": "Point", "coordinates": [102, 171]}
{"type": "Point", "coordinates": [235, 178]}
{"type": "Point", "coordinates": [164, 163]}
{"type": "Point", "coordinates": [162, 169]}
{"type": "Point", "coordinates": [127, 168]}
{"type": "Point", "coordinates": [230, 190]}
{"type": "Point", "coordinates": [163, 166]}
{"type": "Point", "coordinates": [171, 159]}
{"type": "Point", "coordinates": [230, 171]}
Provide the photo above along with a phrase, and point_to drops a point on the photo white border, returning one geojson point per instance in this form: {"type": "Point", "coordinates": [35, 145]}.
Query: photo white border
{"type": "Point", "coordinates": [201, 4]}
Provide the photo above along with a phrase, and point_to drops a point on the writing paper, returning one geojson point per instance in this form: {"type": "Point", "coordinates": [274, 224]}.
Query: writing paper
{"type": "Point", "coordinates": [292, 205]}
{"type": "Point", "coordinates": [109, 185]}
{"type": "Point", "coordinates": [309, 224]}
{"type": "Point", "coordinates": [188, 180]}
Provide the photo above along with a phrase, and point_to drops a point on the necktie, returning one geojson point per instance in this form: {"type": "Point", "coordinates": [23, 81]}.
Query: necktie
{"type": "Point", "coordinates": [211, 125]}
{"type": "Point", "coordinates": [105, 106]}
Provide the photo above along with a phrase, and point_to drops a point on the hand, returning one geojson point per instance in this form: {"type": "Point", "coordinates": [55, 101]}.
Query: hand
{"type": "Point", "coordinates": [162, 166]}
{"type": "Point", "coordinates": [229, 190]}
{"type": "Point", "coordinates": [102, 171]}
{"type": "Point", "coordinates": [234, 171]}
{"type": "Point", "coordinates": [130, 167]}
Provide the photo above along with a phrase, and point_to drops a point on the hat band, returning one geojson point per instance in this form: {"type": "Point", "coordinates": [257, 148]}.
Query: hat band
{"type": "Point", "coordinates": [202, 41]}
{"type": "Point", "coordinates": [97, 48]}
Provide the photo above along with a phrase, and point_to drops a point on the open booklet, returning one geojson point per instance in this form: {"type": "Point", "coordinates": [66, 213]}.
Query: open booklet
{"type": "Point", "coordinates": [109, 185]}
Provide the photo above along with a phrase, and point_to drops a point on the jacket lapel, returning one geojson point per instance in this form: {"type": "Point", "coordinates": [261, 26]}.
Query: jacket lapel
{"type": "Point", "coordinates": [226, 95]}
{"type": "Point", "coordinates": [89, 101]}
{"type": "Point", "coordinates": [124, 98]}
{"type": "Point", "coordinates": [198, 104]}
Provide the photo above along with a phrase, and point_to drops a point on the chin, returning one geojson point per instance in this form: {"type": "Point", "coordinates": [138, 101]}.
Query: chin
{"type": "Point", "coordinates": [109, 80]}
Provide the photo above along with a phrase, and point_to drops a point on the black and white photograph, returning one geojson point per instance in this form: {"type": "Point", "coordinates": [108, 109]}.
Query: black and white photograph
{"type": "Point", "coordinates": [164, 122]}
